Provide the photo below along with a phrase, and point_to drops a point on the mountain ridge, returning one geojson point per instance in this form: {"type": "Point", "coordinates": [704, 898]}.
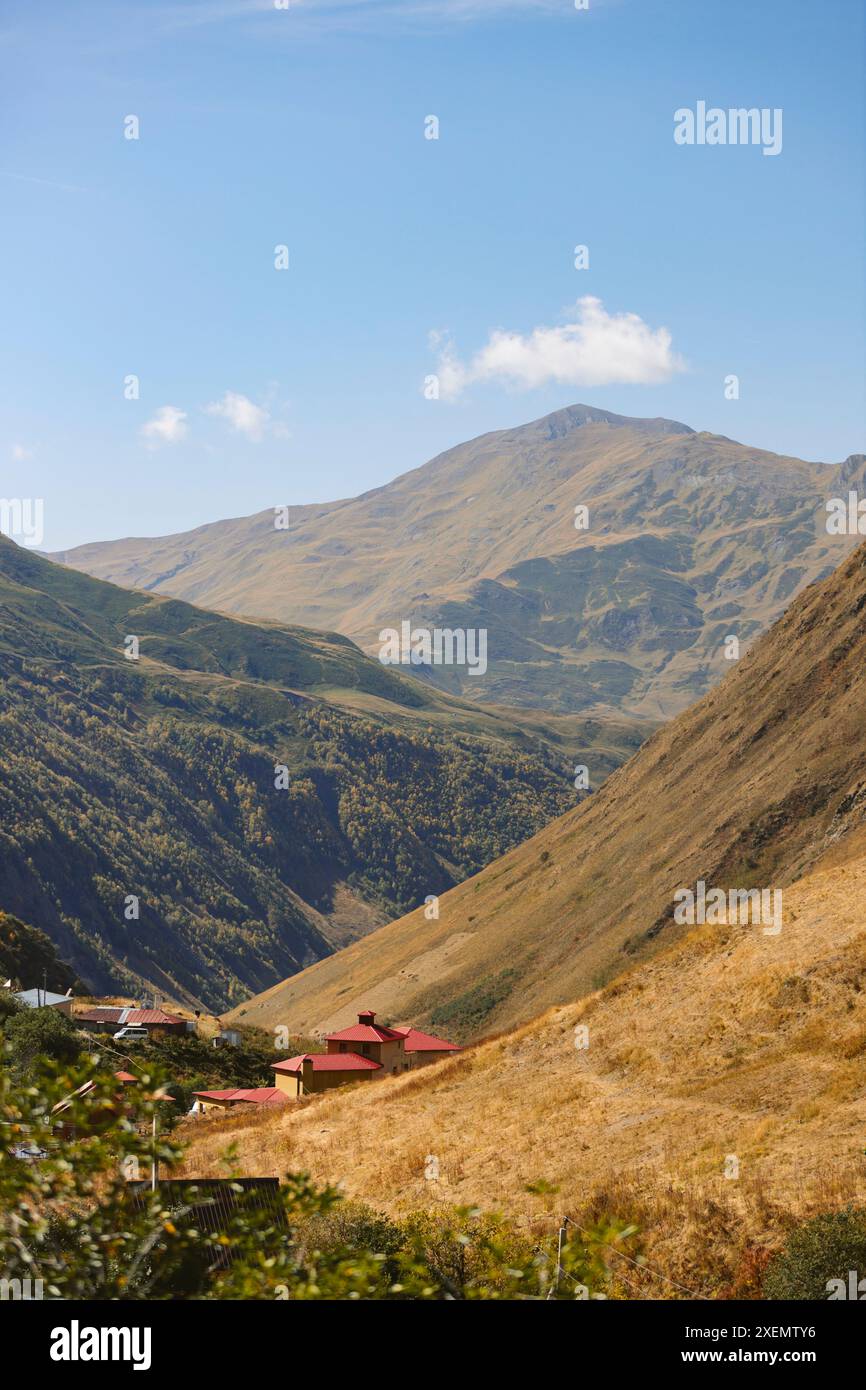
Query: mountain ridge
{"type": "Point", "coordinates": [690, 537]}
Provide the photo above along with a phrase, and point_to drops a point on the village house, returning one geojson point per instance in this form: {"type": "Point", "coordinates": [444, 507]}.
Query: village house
{"type": "Point", "coordinates": [360, 1053]}
{"type": "Point", "coordinates": [228, 1100]}
{"type": "Point", "coordinates": [423, 1048]}
{"type": "Point", "coordinates": [320, 1071]}
{"type": "Point", "coordinates": [109, 1019]}
{"type": "Point", "coordinates": [367, 1038]}
{"type": "Point", "coordinates": [44, 999]}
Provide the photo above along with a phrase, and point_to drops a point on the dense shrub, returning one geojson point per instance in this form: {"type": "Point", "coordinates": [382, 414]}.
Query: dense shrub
{"type": "Point", "coordinates": [826, 1247]}
{"type": "Point", "coordinates": [31, 1034]}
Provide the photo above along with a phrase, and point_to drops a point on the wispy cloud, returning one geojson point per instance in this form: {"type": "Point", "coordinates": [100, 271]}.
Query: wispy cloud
{"type": "Point", "coordinates": [167, 426]}
{"type": "Point", "coordinates": [594, 348]}
{"type": "Point", "coordinates": [355, 14]}
{"type": "Point", "coordinates": [43, 183]}
{"type": "Point", "coordinates": [20, 454]}
{"type": "Point", "coordinates": [241, 413]}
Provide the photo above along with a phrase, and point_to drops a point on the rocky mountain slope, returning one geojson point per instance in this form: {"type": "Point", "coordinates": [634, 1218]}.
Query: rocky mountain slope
{"type": "Point", "coordinates": [691, 537]}
{"type": "Point", "coordinates": [747, 789]}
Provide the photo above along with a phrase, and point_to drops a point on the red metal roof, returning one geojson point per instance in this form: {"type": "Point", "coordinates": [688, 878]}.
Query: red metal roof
{"type": "Point", "coordinates": [366, 1032]}
{"type": "Point", "coordinates": [329, 1061]}
{"type": "Point", "coordinates": [416, 1041]}
{"type": "Point", "coordinates": [259, 1095]}
{"type": "Point", "coordinates": [135, 1018]}
{"type": "Point", "coordinates": [139, 1016]}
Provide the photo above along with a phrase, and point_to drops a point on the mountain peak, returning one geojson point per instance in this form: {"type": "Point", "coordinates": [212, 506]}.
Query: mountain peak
{"type": "Point", "coordinates": [572, 417]}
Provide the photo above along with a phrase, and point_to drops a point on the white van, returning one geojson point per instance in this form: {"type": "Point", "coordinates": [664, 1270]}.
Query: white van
{"type": "Point", "coordinates": [132, 1034]}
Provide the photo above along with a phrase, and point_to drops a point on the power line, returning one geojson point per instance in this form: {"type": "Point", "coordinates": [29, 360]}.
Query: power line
{"type": "Point", "coordinates": [649, 1269]}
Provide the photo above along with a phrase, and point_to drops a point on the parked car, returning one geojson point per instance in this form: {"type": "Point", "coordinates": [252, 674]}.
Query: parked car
{"type": "Point", "coordinates": [130, 1034]}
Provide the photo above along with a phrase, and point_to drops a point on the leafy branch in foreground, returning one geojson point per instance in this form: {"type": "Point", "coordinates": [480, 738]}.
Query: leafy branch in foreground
{"type": "Point", "coordinates": [70, 1217]}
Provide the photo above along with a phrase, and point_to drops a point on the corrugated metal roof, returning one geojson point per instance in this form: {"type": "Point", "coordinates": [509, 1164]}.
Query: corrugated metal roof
{"type": "Point", "coordinates": [141, 1016]}
{"type": "Point", "coordinates": [416, 1041]}
{"type": "Point", "coordinates": [130, 1018]}
{"type": "Point", "coordinates": [258, 1095]}
{"type": "Point", "coordinates": [209, 1203]}
{"type": "Point", "coordinates": [41, 998]}
{"type": "Point", "coordinates": [366, 1032]}
{"type": "Point", "coordinates": [329, 1061]}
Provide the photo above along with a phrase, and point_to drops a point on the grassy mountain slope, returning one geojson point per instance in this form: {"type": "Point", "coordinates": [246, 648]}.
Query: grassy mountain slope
{"type": "Point", "coordinates": [156, 779]}
{"type": "Point", "coordinates": [731, 1042]}
{"type": "Point", "coordinates": [692, 537]}
{"type": "Point", "coordinates": [745, 789]}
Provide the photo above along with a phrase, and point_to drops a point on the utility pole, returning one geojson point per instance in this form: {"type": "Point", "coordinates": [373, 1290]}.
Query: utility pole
{"type": "Point", "coordinates": [558, 1271]}
{"type": "Point", "coordinates": [154, 1165]}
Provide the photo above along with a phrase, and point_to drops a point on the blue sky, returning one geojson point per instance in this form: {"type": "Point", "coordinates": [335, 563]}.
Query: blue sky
{"type": "Point", "coordinates": [261, 127]}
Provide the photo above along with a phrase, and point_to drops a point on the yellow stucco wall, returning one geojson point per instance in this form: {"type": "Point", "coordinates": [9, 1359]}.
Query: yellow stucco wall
{"type": "Point", "coordinates": [321, 1080]}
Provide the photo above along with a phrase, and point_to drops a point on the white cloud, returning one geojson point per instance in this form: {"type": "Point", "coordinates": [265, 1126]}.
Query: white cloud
{"type": "Point", "coordinates": [241, 413]}
{"type": "Point", "coordinates": [20, 454]}
{"type": "Point", "coordinates": [594, 349]}
{"type": "Point", "coordinates": [168, 426]}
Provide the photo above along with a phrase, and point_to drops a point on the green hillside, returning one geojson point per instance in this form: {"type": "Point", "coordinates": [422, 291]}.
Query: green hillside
{"type": "Point", "coordinates": [155, 779]}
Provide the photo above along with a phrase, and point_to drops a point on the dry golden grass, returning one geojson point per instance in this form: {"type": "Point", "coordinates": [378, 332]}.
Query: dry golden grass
{"type": "Point", "coordinates": [729, 1043]}
{"type": "Point", "coordinates": [748, 787]}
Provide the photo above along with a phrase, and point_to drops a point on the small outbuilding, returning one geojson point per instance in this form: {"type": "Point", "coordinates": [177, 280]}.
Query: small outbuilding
{"type": "Point", "coordinates": [44, 999]}
{"type": "Point", "coordinates": [228, 1100]}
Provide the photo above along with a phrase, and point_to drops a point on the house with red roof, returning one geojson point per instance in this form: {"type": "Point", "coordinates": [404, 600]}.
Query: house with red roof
{"type": "Point", "coordinates": [423, 1048]}
{"type": "Point", "coordinates": [229, 1100]}
{"type": "Point", "coordinates": [362, 1052]}
{"type": "Point", "coordinates": [108, 1018]}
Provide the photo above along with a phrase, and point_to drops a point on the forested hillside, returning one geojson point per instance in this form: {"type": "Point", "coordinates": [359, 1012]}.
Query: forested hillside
{"type": "Point", "coordinates": [29, 959]}
{"type": "Point", "coordinates": [201, 820]}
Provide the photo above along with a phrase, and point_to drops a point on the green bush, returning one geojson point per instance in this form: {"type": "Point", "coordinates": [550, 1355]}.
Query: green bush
{"type": "Point", "coordinates": [825, 1248]}
{"type": "Point", "coordinates": [31, 1034]}
{"type": "Point", "coordinates": [68, 1217]}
